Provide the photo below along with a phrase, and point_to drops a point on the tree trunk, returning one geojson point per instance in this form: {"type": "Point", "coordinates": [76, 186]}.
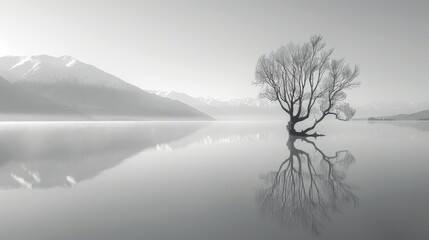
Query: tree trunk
{"type": "Point", "coordinates": [291, 128]}
{"type": "Point", "coordinates": [292, 132]}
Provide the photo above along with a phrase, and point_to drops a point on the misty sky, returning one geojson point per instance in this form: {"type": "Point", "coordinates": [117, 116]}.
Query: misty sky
{"type": "Point", "coordinates": [211, 47]}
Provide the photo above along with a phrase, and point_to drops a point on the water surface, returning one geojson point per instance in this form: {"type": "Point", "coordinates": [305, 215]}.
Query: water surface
{"type": "Point", "coordinates": [225, 180]}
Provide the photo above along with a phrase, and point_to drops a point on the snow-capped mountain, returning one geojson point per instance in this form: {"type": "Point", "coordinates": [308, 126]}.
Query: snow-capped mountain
{"type": "Point", "coordinates": [84, 88]}
{"type": "Point", "coordinates": [244, 108]}
{"type": "Point", "coordinates": [249, 102]}
{"type": "Point", "coordinates": [49, 70]}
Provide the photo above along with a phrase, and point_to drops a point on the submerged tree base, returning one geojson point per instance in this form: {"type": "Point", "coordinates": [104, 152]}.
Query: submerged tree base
{"type": "Point", "coordinates": [292, 132]}
{"type": "Point", "coordinates": [302, 134]}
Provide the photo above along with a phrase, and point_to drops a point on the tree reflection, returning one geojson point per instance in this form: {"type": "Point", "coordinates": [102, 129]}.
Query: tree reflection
{"type": "Point", "coordinates": [308, 187]}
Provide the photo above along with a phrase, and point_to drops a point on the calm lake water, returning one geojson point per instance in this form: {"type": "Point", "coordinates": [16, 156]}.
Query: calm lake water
{"type": "Point", "coordinates": [225, 180]}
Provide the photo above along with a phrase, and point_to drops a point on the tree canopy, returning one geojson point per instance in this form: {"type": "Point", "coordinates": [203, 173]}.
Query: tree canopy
{"type": "Point", "coordinates": [307, 82]}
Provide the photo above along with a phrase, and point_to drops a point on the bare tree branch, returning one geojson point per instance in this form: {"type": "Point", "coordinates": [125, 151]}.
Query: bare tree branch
{"type": "Point", "coordinates": [307, 82]}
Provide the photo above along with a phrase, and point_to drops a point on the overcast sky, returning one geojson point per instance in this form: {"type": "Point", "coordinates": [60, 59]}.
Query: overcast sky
{"type": "Point", "coordinates": [211, 47]}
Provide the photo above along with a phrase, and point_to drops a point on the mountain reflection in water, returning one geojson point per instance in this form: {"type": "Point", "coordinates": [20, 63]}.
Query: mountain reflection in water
{"type": "Point", "coordinates": [45, 155]}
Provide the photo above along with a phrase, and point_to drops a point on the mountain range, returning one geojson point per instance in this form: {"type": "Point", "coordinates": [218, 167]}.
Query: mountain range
{"type": "Point", "coordinates": [228, 109]}
{"type": "Point", "coordinates": [43, 87]}
{"type": "Point", "coordinates": [253, 108]}
{"type": "Point", "coordinates": [46, 87]}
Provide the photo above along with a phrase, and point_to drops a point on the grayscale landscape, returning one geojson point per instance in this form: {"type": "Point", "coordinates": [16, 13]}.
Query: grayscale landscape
{"type": "Point", "coordinates": [214, 120]}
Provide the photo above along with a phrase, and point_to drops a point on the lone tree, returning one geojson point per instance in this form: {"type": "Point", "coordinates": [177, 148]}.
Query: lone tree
{"type": "Point", "coordinates": [307, 82]}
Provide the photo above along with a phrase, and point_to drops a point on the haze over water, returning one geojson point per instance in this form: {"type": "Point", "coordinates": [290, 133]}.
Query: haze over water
{"type": "Point", "coordinates": [224, 180]}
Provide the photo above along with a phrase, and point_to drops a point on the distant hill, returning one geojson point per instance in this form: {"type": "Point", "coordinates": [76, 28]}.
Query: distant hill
{"type": "Point", "coordinates": [67, 82]}
{"type": "Point", "coordinates": [21, 103]}
{"type": "Point", "coordinates": [418, 116]}
{"type": "Point", "coordinates": [389, 108]}
{"type": "Point", "coordinates": [228, 109]}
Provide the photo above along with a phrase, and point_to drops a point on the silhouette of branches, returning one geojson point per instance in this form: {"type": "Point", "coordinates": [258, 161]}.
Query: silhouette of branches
{"type": "Point", "coordinates": [307, 188]}
{"type": "Point", "coordinates": [307, 82]}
